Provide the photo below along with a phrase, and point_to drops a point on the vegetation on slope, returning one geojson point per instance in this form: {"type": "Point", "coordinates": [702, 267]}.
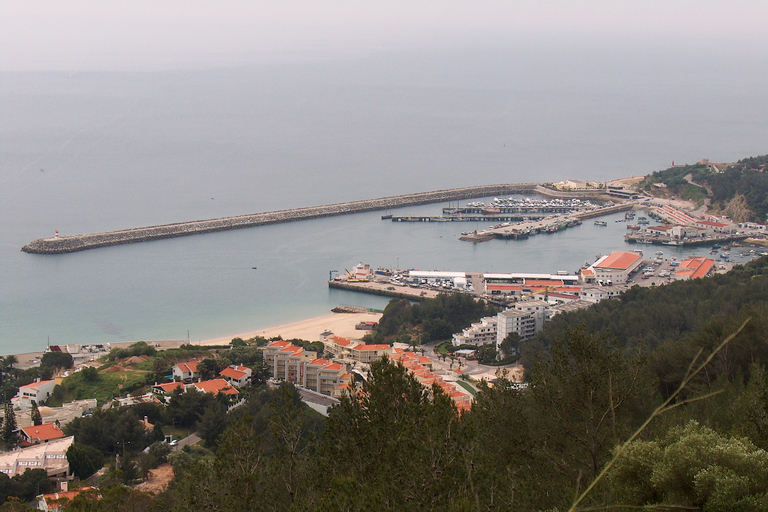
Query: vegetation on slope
{"type": "Point", "coordinates": [740, 191]}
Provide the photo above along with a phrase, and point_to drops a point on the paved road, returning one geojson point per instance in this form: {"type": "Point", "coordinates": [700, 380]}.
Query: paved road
{"type": "Point", "coordinates": [191, 439]}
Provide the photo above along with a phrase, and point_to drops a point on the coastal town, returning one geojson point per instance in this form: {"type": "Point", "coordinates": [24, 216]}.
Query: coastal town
{"type": "Point", "coordinates": [329, 363]}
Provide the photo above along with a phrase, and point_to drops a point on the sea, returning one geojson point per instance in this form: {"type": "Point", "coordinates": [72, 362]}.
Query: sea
{"type": "Point", "coordinates": [89, 151]}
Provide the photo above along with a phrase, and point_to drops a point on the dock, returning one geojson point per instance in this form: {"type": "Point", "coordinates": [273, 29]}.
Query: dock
{"type": "Point", "coordinates": [544, 225]}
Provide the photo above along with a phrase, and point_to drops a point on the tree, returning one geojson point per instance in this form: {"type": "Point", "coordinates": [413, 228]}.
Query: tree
{"type": "Point", "coordinates": [60, 360]}
{"type": "Point", "coordinates": [90, 374]}
{"type": "Point", "coordinates": [210, 368]}
{"type": "Point", "coordinates": [510, 345]}
{"type": "Point", "coordinates": [8, 431]}
{"type": "Point", "coordinates": [237, 342]}
{"type": "Point", "coordinates": [212, 423]}
{"type": "Point", "coordinates": [692, 466]}
{"type": "Point", "coordinates": [397, 443]}
{"type": "Point", "coordinates": [35, 416]}
{"type": "Point", "coordinates": [84, 460]}
{"type": "Point", "coordinates": [585, 399]}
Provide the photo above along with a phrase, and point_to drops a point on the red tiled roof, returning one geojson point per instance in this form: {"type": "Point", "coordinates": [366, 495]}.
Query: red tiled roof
{"type": "Point", "coordinates": [188, 367]}
{"type": "Point", "coordinates": [543, 282]}
{"type": "Point", "coordinates": [695, 267]}
{"type": "Point", "coordinates": [362, 346]}
{"type": "Point", "coordinates": [55, 496]}
{"type": "Point", "coordinates": [619, 260]}
{"type": "Point", "coordinates": [340, 340]}
{"type": "Point", "coordinates": [216, 386]}
{"type": "Point", "coordinates": [35, 385]}
{"type": "Point", "coordinates": [170, 386]}
{"type": "Point", "coordinates": [320, 362]}
{"type": "Point", "coordinates": [44, 432]}
{"type": "Point", "coordinates": [332, 366]}
{"type": "Point", "coordinates": [233, 374]}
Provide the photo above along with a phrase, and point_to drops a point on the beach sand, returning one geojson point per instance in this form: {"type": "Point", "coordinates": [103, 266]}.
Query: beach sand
{"type": "Point", "coordinates": [340, 324]}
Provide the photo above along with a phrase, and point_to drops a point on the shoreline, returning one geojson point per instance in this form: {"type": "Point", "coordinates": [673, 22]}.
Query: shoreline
{"type": "Point", "coordinates": [310, 329]}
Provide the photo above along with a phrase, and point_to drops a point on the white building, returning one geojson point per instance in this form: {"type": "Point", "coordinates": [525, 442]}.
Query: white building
{"type": "Point", "coordinates": [479, 333]}
{"type": "Point", "coordinates": [51, 456]}
{"type": "Point", "coordinates": [514, 320]}
{"type": "Point", "coordinates": [36, 391]}
{"type": "Point", "coordinates": [613, 268]}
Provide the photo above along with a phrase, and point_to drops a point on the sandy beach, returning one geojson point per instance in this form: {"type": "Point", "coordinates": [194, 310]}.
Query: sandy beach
{"type": "Point", "coordinates": [340, 324]}
{"type": "Point", "coordinates": [311, 329]}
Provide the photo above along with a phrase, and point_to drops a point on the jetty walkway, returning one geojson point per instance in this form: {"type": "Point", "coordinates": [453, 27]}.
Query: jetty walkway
{"type": "Point", "coordinates": [74, 243]}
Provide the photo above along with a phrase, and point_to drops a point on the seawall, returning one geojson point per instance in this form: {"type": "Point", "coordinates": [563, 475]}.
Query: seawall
{"type": "Point", "coordinates": [74, 243]}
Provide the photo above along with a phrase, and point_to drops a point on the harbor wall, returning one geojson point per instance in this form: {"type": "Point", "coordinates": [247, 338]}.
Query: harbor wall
{"type": "Point", "coordinates": [74, 243]}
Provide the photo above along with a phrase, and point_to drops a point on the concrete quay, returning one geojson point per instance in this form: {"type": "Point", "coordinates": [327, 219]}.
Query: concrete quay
{"type": "Point", "coordinates": [74, 243]}
{"type": "Point", "coordinates": [523, 230]}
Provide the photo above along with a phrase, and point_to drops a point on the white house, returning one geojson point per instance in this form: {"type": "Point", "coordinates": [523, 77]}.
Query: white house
{"type": "Point", "coordinates": [237, 376]}
{"type": "Point", "coordinates": [186, 372]}
{"type": "Point", "coordinates": [36, 391]}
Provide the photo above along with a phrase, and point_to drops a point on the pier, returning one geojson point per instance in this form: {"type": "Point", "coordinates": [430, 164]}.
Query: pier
{"type": "Point", "coordinates": [548, 224]}
{"type": "Point", "coordinates": [74, 243]}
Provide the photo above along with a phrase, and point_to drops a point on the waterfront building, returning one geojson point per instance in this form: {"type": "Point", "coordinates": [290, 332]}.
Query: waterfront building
{"type": "Point", "coordinates": [362, 272]}
{"type": "Point", "coordinates": [524, 284]}
{"type": "Point", "coordinates": [693, 268]}
{"type": "Point", "coordinates": [613, 268]}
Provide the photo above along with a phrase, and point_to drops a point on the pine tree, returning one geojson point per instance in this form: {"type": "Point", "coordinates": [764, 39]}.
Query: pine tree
{"type": "Point", "coordinates": [8, 431]}
{"type": "Point", "coordinates": [35, 416]}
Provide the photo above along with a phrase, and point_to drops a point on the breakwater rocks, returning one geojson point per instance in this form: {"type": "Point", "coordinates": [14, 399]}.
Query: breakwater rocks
{"type": "Point", "coordinates": [74, 243]}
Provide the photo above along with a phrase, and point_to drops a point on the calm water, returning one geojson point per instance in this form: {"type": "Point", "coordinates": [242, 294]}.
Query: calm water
{"type": "Point", "coordinates": [84, 152]}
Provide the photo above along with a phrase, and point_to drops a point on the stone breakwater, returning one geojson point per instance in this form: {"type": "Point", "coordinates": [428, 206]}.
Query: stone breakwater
{"type": "Point", "coordinates": [74, 243]}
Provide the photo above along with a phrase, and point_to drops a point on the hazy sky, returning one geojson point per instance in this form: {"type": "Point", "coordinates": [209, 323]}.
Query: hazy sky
{"type": "Point", "coordinates": [151, 35]}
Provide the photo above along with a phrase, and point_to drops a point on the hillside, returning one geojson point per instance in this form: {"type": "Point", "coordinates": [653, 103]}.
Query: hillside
{"type": "Point", "coordinates": [739, 190]}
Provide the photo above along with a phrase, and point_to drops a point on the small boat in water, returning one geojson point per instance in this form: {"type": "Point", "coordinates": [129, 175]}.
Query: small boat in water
{"type": "Point", "coordinates": [600, 223]}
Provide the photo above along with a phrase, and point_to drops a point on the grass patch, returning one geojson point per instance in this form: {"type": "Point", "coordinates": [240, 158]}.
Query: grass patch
{"type": "Point", "coordinates": [467, 386]}
{"type": "Point", "coordinates": [108, 385]}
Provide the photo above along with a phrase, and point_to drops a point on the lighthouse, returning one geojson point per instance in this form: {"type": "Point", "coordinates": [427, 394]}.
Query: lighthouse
{"type": "Point", "coordinates": [56, 234]}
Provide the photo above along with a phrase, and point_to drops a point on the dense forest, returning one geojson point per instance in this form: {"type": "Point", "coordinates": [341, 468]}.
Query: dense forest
{"type": "Point", "coordinates": [740, 191]}
{"type": "Point", "coordinates": [655, 401]}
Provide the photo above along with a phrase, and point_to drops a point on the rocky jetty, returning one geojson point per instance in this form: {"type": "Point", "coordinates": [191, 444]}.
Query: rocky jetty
{"type": "Point", "coordinates": [74, 243]}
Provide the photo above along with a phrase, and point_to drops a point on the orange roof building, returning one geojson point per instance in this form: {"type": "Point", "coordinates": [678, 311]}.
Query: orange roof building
{"type": "Point", "coordinates": [693, 268]}
{"type": "Point", "coordinates": [186, 371]}
{"type": "Point", "coordinates": [215, 387]}
{"type": "Point", "coordinates": [37, 434]}
{"type": "Point", "coordinates": [168, 387]}
{"type": "Point", "coordinates": [237, 376]}
{"type": "Point", "coordinates": [57, 501]}
{"type": "Point", "coordinates": [616, 267]}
